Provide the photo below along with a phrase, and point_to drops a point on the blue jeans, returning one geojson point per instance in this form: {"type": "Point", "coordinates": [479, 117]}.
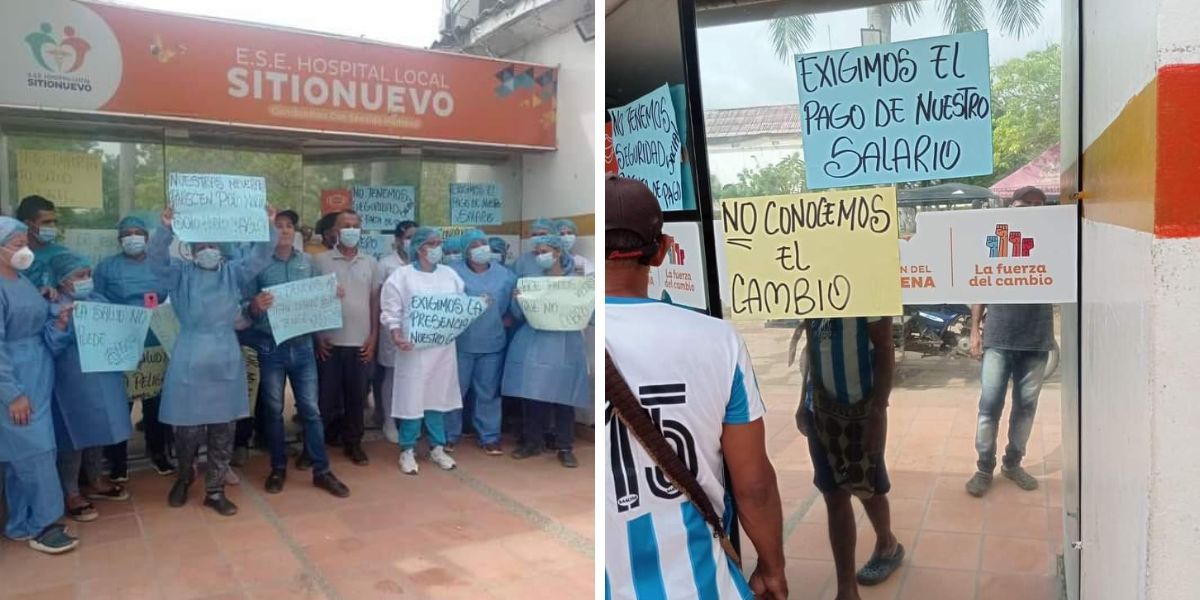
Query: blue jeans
{"type": "Point", "coordinates": [293, 359]}
{"type": "Point", "coordinates": [1026, 369]}
{"type": "Point", "coordinates": [479, 379]}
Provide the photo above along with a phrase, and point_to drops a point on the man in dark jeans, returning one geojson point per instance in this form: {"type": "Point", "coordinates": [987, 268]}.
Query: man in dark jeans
{"type": "Point", "coordinates": [293, 359]}
{"type": "Point", "coordinates": [1014, 345]}
{"type": "Point", "coordinates": [346, 356]}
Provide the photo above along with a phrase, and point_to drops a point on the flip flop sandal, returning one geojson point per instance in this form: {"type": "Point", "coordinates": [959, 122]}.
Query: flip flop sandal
{"type": "Point", "coordinates": [84, 513]}
{"type": "Point", "coordinates": [878, 569]}
{"type": "Point", "coordinates": [116, 493]}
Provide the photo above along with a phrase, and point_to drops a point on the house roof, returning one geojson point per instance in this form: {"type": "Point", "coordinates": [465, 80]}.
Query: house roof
{"type": "Point", "coordinates": [1041, 172]}
{"type": "Point", "coordinates": [781, 119]}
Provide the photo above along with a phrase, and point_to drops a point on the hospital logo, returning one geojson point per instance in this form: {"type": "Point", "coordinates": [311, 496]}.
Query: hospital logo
{"type": "Point", "coordinates": [676, 255]}
{"type": "Point", "coordinates": [57, 55]}
{"type": "Point", "coordinates": [1007, 243]}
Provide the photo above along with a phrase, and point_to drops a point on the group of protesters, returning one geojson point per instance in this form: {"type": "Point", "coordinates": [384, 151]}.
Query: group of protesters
{"type": "Point", "coordinates": [63, 441]}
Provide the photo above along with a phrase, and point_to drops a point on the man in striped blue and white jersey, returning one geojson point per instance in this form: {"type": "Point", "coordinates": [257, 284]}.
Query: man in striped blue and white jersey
{"type": "Point", "coordinates": [693, 375]}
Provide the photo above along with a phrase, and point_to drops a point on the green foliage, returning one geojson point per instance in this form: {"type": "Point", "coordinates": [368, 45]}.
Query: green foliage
{"type": "Point", "coordinates": [783, 177]}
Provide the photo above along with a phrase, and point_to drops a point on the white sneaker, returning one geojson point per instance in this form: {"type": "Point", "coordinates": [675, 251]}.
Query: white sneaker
{"type": "Point", "coordinates": [440, 458]}
{"type": "Point", "coordinates": [408, 462]}
{"type": "Point", "coordinates": [390, 432]}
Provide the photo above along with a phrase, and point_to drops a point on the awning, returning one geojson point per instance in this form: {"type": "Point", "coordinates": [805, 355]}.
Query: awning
{"type": "Point", "coordinates": [1041, 172]}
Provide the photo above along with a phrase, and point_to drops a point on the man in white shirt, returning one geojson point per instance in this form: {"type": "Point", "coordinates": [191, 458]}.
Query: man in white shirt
{"type": "Point", "coordinates": [693, 375]}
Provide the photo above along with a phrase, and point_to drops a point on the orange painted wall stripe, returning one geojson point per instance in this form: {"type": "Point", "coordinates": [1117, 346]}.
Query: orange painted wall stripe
{"type": "Point", "coordinates": [1177, 202]}
{"type": "Point", "coordinates": [1119, 166]}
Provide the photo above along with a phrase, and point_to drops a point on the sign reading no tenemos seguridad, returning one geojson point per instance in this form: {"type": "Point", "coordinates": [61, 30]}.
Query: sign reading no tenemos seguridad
{"type": "Point", "coordinates": [382, 207]}
{"type": "Point", "coordinates": [907, 111]}
{"type": "Point", "coordinates": [646, 145]}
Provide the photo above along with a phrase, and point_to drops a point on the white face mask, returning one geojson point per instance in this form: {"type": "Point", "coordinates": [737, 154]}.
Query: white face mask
{"type": "Point", "coordinates": [349, 237]}
{"type": "Point", "coordinates": [568, 241]}
{"type": "Point", "coordinates": [83, 287]}
{"type": "Point", "coordinates": [133, 245]}
{"type": "Point", "coordinates": [21, 259]}
{"type": "Point", "coordinates": [208, 258]}
{"type": "Point", "coordinates": [481, 255]}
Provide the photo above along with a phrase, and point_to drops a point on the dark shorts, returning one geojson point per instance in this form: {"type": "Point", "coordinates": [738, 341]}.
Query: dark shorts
{"type": "Point", "coordinates": [823, 473]}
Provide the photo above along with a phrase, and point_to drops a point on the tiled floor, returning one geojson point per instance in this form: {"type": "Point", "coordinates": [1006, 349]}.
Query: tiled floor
{"type": "Point", "coordinates": [1001, 547]}
{"type": "Point", "coordinates": [494, 528]}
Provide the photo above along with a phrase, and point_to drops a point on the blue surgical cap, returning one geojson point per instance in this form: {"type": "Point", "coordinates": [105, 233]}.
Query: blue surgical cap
{"type": "Point", "coordinates": [453, 245]}
{"type": "Point", "coordinates": [420, 236]}
{"type": "Point", "coordinates": [63, 264]}
{"type": "Point", "coordinates": [132, 222]}
{"type": "Point", "coordinates": [10, 227]}
{"type": "Point", "coordinates": [472, 236]}
{"type": "Point", "coordinates": [548, 240]}
{"type": "Point", "coordinates": [542, 225]}
{"type": "Point", "coordinates": [561, 224]}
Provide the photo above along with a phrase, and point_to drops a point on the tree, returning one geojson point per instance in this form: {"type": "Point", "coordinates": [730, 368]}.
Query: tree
{"type": "Point", "coordinates": [791, 35]}
{"type": "Point", "coordinates": [781, 178]}
{"type": "Point", "coordinates": [1025, 114]}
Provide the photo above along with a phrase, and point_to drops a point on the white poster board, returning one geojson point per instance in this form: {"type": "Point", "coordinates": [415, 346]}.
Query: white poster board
{"type": "Point", "coordinates": [681, 276]}
{"type": "Point", "coordinates": [992, 256]}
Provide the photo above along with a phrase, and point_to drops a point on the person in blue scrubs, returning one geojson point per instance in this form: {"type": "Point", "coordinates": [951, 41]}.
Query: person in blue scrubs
{"type": "Point", "coordinates": [204, 391]}
{"type": "Point", "coordinates": [547, 369]}
{"type": "Point", "coordinates": [125, 278]}
{"type": "Point", "coordinates": [91, 410]}
{"type": "Point", "coordinates": [452, 249]}
{"type": "Point", "coordinates": [499, 250]}
{"type": "Point", "coordinates": [28, 333]}
{"type": "Point", "coordinates": [481, 346]}
{"type": "Point", "coordinates": [526, 261]}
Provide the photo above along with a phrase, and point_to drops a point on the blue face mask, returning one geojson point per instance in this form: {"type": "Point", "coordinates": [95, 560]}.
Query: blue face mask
{"type": "Point", "coordinates": [481, 255]}
{"type": "Point", "coordinates": [498, 258]}
{"type": "Point", "coordinates": [350, 237]}
{"type": "Point", "coordinates": [208, 258]}
{"type": "Point", "coordinates": [434, 255]}
{"type": "Point", "coordinates": [133, 245]}
{"type": "Point", "coordinates": [83, 287]}
{"type": "Point", "coordinates": [545, 260]}
{"type": "Point", "coordinates": [47, 234]}
{"type": "Point", "coordinates": [453, 257]}
{"type": "Point", "coordinates": [568, 241]}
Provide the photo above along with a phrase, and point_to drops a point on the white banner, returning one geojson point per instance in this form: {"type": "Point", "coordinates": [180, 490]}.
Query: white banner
{"type": "Point", "coordinates": [681, 276]}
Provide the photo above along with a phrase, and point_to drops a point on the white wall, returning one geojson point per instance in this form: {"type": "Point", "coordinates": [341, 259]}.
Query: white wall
{"type": "Point", "coordinates": [727, 160]}
{"type": "Point", "coordinates": [1120, 48]}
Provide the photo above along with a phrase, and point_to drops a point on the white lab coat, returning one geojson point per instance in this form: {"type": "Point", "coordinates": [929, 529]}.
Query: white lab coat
{"type": "Point", "coordinates": [583, 266]}
{"type": "Point", "coordinates": [425, 379]}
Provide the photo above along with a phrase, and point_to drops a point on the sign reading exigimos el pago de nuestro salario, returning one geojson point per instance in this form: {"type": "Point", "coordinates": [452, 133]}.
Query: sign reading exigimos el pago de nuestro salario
{"type": "Point", "coordinates": [107, 58]}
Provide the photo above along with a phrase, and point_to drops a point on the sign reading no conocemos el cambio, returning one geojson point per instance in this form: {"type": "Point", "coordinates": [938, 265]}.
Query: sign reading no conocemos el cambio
{"type": "Point", "coordinates": [908, 111]}
{"type": "Point", "coordinates": [813, 255]}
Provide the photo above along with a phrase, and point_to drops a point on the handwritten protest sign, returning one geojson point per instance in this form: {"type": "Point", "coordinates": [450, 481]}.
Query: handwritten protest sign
{"type": "Point", "coordinates": [383, 206]}
{"type": "Point", "coordinates": [109, 336]}
{"type": "Point", "coordinates": [219, 208]}
{"type": "Point", "coordinates": [476, 204]}
{"type": "Point", "coordinates": [147, 380]}
{"type": "Point", "coordinates": [66, 178]}
{"type": "Point", "coordinates": [95, 244]}
{"type": "Point", "coordinates": [993, 256]}
{"type": "Point", "coordinates": [376, 244]}
{"type": "Point", "coordinates": [813, 255]}
{"type": "Point", "coordinates": [437, 319]}
{"type": "Point", "coordinates": [165, 326]}
{"type": "Point", "coordinates": [908, 111]}
{"type": "Point", "coordinates": [646, 144]}
{"type": "Point", "coordinates": [304, 306]}
{"type": "Point", "coordinates": [557, 303]}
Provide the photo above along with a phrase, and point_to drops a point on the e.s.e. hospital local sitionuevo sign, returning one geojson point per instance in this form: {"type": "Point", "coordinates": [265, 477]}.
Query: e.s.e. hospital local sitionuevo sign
{"type": "Point", "coordinates": [97, 57]}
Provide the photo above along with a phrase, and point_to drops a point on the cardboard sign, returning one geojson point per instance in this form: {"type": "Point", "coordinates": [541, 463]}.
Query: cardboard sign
{"type": "Point", "coordinates": [94, 244]}
{"type": "Point", "coordinates": [680, 279]}
{"type": "Point", "coordinates": [992, 256]}
{"type": "Point", "coordinates": [437, 319]}
{"type": "Point", "coordinates": [383, 206]}
{"type": "Point", "coordinates": [813, 255]}
{"type": "Point", "coordinates": [558, 303]}
{"type": "Point", "coordinates": [476, 204]}
{"type": "Point", "coordinates": [147, 381]}
{"type": "Point", "coordinates": [165, 326]}
{"type": "Point", "coordinates": [908, 111]}
{"type": "Point", "coordinates": [304, 306]}
{"type": "Point", "coordinates": [64, 178]}
{"type": "Point", "coordinates": [336, 201]}
{"type": "Point", "coordinates": [646, 144]}
{"type": "Point", "coordinates": [219, 208]}
{"type": "Point", "coordinates": [109, 337]}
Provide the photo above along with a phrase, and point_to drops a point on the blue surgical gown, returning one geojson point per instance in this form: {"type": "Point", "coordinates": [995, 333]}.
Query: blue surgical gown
{"type": "Point", "coordinates": [486, 335]}
{"type": "Point", "coordinates": [550, 366]}
{"type": "Point", "coordinates": [90, 409]}
{"type": "Point", "coordinates": [206, 379]}
{"type": "Point", "coordinates": [125, 280]}
{"type": "Point", "coordinates": [37, 272]}
{"type": "Point", "coordinates": [26, 368]}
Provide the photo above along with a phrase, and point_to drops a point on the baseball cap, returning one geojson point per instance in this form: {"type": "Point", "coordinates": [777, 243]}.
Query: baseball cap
{"type": "Point", "coordinates": [630, 206]}
{"type": "Point", "coordinates": [1025, 191]}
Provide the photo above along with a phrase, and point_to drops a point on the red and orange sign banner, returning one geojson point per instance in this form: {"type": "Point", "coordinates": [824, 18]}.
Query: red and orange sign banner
{"type": "Point", "coordinates": [66, 54]}
{"type": "Point", "coordinates": [336, 201]}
